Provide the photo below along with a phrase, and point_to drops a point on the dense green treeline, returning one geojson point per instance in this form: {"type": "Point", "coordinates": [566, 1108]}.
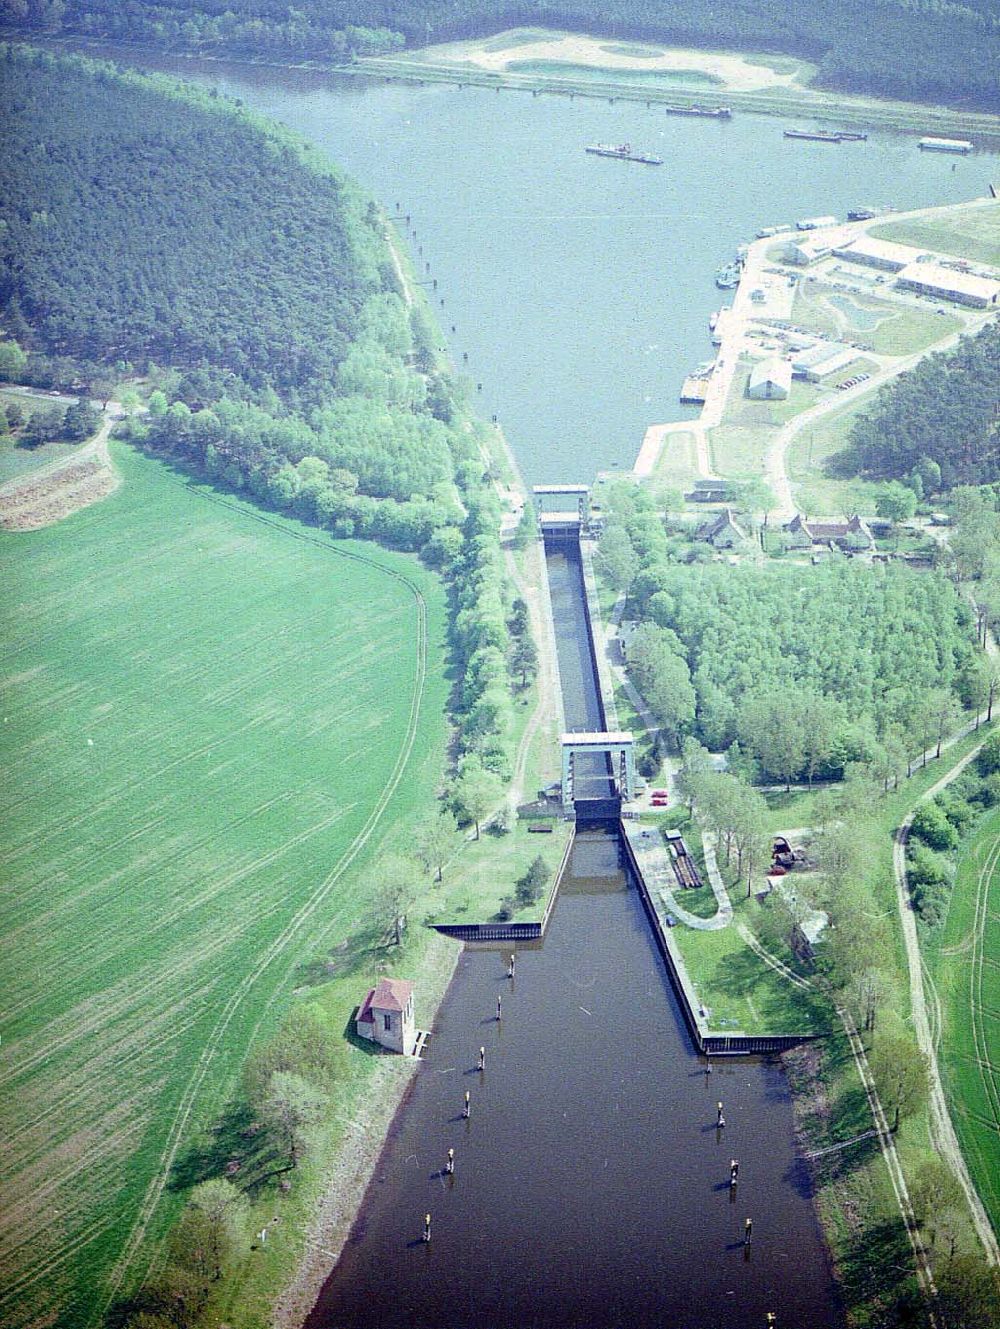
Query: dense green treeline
{"type": "Point", "coordinates": [152, 232]}
{"type": "Point", "coordinates": [132, 230]}
{"type": "Point", "coordinates": [921, 49]}
{"type": "Point", "coordinates": [800, 672]}
{"type": "Point", "coordinates": [944, 410]}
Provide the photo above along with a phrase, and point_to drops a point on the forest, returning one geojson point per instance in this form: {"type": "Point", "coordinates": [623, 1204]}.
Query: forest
{"type": "Point", "coordinates": [936, 50]}
{"type": "Point", "coordinates": [799, 673]}
{"type": "Point", "coordinates": [232, 273]}
{"type": "Point", "coordinates": [943, 412]}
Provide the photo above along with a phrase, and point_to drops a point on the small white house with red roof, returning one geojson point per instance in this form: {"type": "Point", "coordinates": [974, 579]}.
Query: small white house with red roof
{"type": "Point", "coordinates": [386, 1016]}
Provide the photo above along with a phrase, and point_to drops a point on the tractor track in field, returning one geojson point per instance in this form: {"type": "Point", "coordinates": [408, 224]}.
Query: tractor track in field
{"type": "Point", "coordinates": [977, 1009]}
{"type": "Point", "coordinates": [302, 916]}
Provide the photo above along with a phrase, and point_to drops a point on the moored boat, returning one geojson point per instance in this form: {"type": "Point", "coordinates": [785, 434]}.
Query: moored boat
{"type": "Point", "coordinates": [623, 152]}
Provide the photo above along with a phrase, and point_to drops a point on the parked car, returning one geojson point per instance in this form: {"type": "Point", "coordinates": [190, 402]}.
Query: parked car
{"type": "Point", "coordinates": [661, 793]}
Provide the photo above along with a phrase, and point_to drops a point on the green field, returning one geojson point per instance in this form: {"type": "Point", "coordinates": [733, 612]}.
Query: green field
{"type": "Point", "coordinates": [967, 982]}
{"type": "Point", "coordinates": [973, 233]}
{"type": "Point", "coordinates": [211, 720]}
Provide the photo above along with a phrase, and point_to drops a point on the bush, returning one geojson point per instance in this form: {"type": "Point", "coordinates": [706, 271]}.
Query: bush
{"type": "Point", "coordinates": [532, 884]}
{"type": "Point", "coordinates": [988, 761]}
{"type": "Point", "coordinates": [932, 827]}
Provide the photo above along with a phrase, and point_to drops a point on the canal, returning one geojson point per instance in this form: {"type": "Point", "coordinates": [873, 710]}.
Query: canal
{"type": "Point", "coordinates": [591, 1184]}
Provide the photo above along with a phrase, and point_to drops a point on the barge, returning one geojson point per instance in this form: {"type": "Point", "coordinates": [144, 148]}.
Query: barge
{"type": "Point", "coordinates": [827, 135]}
{"type": "Point", "coordinates": [945, 145]}
{"type": "Point", "coordinates": [711, 112]}
{"type": "Point", "coordinates": [623, 152]}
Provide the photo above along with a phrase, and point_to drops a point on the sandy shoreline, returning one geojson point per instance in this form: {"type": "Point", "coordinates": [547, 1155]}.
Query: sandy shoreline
{"type": "Point", "coordinates": [732, 70]}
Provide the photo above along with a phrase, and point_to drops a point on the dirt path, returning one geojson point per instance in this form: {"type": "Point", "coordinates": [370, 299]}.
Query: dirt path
{"type": "Point", "coordinates": [942, 1130]}
{"type": "Point", "coordinates": [64, 486]}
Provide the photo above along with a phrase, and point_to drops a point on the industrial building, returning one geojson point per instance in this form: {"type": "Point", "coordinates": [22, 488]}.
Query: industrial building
{"type": "Point", "coordinates": [805, 249]}
{"type": "Point", "coordinates": [963, 288]}
{"type": "Point", "coordinates": [770, 380]}
{"type": "Point", "coordinates": [817, 362]}
{"type": "Point", "coordinates": [874, 253]}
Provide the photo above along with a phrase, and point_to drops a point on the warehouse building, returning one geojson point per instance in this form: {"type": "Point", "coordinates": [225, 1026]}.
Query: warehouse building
{"type": "Point", "coordinates": [822, 359]}
{"type": "Point", "coordinates": [874, 253]}
{"type": "Point", "coordinates": [770, 380]}
{"type": "Point", "coordinates": [962, 288]}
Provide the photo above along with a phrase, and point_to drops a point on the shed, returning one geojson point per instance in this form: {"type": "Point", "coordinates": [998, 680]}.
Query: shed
{"type": "Point", "coordinates": [386, 1016]}
{"type": "Point", "coordinates": [770, 380]}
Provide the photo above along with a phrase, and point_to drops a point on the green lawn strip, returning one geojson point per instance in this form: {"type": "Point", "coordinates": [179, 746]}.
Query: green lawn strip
{"type": "Point", "coordinates": [18, 460]}
{"type": "Point", "coordinates": [608, 73]}
{"type": "Point", "coordinates": [740, 990]}
{"type": "Point", "coordinates": [950, 955]}
{"type": "Point", "coordinates": [677, 465]}
{"type": "Point", "coordinates": [203, 709]}
{"type": "Point", "coordinates": [974, 235]}
{"type": "Point", "coordinates": [485, 871]}
{"type": "Point", "coordinates": [816, 492]}
{"type": "Point", "coordinates": [912, 330]}
{"type": "Point", "coordinates": [366, 1093]}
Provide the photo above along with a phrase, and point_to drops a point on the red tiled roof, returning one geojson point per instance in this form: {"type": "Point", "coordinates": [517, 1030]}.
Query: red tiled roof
{"type": "Point", "coordinates": [391, 994]}
{"type": "Point", "coordinates": [365, 1014]}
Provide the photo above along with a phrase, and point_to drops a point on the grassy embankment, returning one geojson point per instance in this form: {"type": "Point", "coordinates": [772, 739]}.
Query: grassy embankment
{"type": "Point", "coordinates": [431, 64]}
{"type": "Point", "coordinates": [214, 724]}
{"type": "Point", "coordinates": [965, 993]}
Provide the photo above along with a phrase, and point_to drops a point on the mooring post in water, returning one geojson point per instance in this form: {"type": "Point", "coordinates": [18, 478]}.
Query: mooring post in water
{"type": "Point", "coordinates": [772, 1319]}
{"type": "Point", "coordinates": [748, 1232]}
{"type": "Point", "coordinates": [449, 1167]}
{"type": "Point", "coordinates": [720, 1119]}
{"type": "Point", "coordinates": [499, 1009]}
{"type": "Point", "coordinates": [427, 1227]}
{"type": "Point", "coordinates": [734, 1170]}
{"type": "Point", "coordinates": [467, 1110]}
{"type": "Point", "coordinates": [510, 967]}
{"type": "Point", "coordinates": [482, 1059]}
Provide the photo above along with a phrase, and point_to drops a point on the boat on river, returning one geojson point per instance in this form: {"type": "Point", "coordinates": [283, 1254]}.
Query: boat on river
{"type": "Point", "coordinates": [728, 276]}
{"type": "Point", "coordinates": [827, 135]}
{"type": "Point", "coordinates": [624, 152]}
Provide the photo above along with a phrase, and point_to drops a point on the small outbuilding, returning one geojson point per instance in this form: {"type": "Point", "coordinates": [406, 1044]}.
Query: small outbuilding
{"type": "Point", "coordinates": [770, 380]}
{"type": "Point", "coordinates": [386, 1016]}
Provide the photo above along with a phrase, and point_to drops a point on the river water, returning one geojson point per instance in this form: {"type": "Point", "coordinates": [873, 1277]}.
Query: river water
{"type": "Point", "coordinates": [579, 286]}
{"type": "Point", "coordinates": [591, 1184]}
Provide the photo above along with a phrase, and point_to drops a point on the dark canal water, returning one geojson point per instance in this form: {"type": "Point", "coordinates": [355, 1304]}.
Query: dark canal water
{"type": "Point", "coordinates": [591, 1185]}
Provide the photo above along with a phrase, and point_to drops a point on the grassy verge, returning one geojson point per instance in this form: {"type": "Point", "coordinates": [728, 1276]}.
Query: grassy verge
{"type": "Point", "coordinates": [484, 872]}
